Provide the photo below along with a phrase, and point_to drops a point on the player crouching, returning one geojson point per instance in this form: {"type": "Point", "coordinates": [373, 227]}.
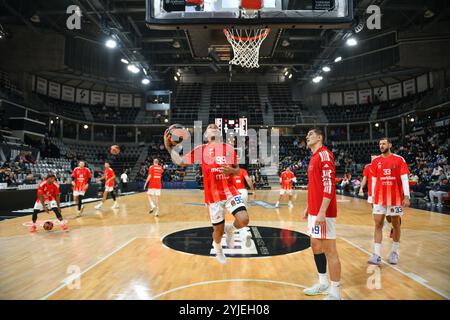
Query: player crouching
{"type": "Point", "coordinates": [48, 198]}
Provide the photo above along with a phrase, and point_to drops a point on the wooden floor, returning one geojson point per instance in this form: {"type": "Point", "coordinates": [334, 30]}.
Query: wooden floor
{"type": "Point", "coordinates": [118, 254]}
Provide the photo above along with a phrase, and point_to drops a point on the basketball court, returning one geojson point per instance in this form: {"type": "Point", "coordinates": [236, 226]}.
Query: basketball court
{"type": "Point", "coordinates": [121, 254]}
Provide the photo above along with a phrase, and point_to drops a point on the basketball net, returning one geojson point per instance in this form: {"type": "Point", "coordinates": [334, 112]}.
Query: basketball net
{"type": "Point", "coordinates": [247, 42]}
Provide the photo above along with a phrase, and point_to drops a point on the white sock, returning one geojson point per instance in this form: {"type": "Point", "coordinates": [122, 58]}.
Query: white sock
{"type": "Point", "coordinates": [334, 289]}
{"type": "Point", "coordinates": [152, 204]}
{"type": "Point", "coordinates": [323, 279]}
{"type": "Point", "coordinates": [34, 224]}
{"type": "Point", "coordinates": [395, 246]}
{"type": "Point", "coordinates": [377, 249]}
{"type": "Point", "coordinates": [276, 204]}
{"type": "Point", "coordinates": [217, 247]}
{"type": "Point", "coordinates": [61, 222]}
{"type": "Point", "coordinates": [230, 228]}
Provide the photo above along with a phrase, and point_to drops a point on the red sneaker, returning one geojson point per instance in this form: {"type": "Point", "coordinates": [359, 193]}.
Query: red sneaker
{"type": "Point", "coordinates": [64, 226]}
{"type": "Point", "coordinates": [33, 228]}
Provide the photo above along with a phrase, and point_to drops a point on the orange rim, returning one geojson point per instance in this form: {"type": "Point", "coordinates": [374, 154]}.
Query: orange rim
{"type": "Point", "coordinates": [263, 34]}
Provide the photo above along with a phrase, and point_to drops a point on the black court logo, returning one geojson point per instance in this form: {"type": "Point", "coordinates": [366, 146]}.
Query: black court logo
{"type": "Point", "coordinates": [266, 241]}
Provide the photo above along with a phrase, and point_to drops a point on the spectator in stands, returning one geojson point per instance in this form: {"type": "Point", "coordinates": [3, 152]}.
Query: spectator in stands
{"type": "Point", "coordinates": [436, 172]}
{"type": "Point", "coordinates": [439, 190]}
{"type": "Point", "coordinates": [356, 183]}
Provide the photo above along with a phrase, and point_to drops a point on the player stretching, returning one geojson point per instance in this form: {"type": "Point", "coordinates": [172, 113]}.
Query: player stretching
{"type": "Point", "coordinates": [367, 174]}
{"type": "Point", "coordinates": [48, 198]}
{"type": "Point", "coordinates": [286, 179]}
{"type": "Point", "coordinates": [109, 177]}
{"type": "Point", "coordinates": [219, 164]}
{"type": "Point", "coordinates": [390, 189]}
{"type": "Point", "coordinates": [321, 213]}
{"type": "Point", "coordinates": [154, 185]}
{"type": "Point", "coordinates": [240, 184]}
{"type": "Point", "coordinates": [81, 177]}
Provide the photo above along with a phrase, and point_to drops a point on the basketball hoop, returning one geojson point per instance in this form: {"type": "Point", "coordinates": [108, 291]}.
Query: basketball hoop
{"type": "Point", "coordinates": [246, 44]}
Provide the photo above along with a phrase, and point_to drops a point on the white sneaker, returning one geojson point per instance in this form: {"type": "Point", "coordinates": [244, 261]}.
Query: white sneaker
{"type": "Point", "coordinates": [290, 205]}
{"type": "Point", "coordinates": [157, 212]}
{"type": "Point", "coordinates": [115, 206]}
{"type": "Point", "coordinates": [277, 205]}
{"type": "Point", "coordinates": [98, 207]}
{"type": "Point", "coordinates": [316, 290]}
{"type": "Point", "coordinates": [221, 257]}
{"type": "Point", "coordinates": [230, 239]}
{"type": "Point", "coordinates": [248, 239]}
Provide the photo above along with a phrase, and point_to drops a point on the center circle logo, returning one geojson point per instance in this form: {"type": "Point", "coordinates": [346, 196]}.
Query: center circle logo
{"type": "Point", "coordinates": [266, 242]}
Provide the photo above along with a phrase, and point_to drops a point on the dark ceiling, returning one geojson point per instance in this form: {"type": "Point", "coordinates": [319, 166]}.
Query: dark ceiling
{"type": "Point", "coordinates": [163, 53]}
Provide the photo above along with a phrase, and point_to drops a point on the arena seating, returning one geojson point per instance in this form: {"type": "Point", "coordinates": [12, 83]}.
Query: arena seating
{"type": "Point", "coordinates": [235, 100]}
{"type": "Point", "coordinates": [349, 113]}
{"type": "Point", "coordinates": [186, 103]}
{"type": "Point", "coordinates": [285, 110]}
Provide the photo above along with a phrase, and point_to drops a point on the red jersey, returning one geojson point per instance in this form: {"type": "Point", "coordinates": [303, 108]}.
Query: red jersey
{"type": "Point", "coordinates": [239, 181]}
{"type": "Point", "coordinates": [286, 180]}
{"type": "Point", "coordinates": [321, 178]}
{"type": "Point", "coordinates": [109, 173]}
{"type": "Point", "coordinates": [368, 174]}
{"type": "Point", "coordinates": [80, 177]}
{"type": "Point", "coordinates": [212, 156]}
{"type": "Point", "coordinates": [388, 186]}
{"type": "Point", "coordinates": [50, 191]}
{"type": "Point", "coordinates": [155, 172]}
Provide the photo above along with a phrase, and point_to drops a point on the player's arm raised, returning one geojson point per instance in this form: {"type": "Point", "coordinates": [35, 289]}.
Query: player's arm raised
{"type": "Point", "coordinates": [176, 158]}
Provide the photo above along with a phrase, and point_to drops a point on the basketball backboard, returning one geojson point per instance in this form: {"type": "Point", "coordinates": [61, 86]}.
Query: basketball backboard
{"type": "Point", "coordinates": [310, 14]}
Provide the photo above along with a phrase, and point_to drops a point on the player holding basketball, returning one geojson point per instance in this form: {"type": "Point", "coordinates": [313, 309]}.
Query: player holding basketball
{"type": "Point", "coordinates": [239, 183]}
{"type": "Point", "coordinates": [390, 189]}
{"type": "Point", "coordinates": [110, 178]}
{"type": "Point", "coordinates": [321, 213]}
{"type": "Point", "coordinates": [155, 173]}
{"type": "Point", "coordinates": [81, 177]}
{"type": "Point", "coordinates": [286, 179]}
{"type": "Point", "coordinates": [219, 164]}
{"type": "Point", "coordinates": [48, 198]}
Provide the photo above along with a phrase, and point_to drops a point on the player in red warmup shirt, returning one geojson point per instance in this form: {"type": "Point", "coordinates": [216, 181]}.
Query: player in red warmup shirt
{"type": "Point", "coordinates": [390, 190]}
{"type": "Point", "coordinates": [239, 183]}
{"type": "Point", "coordinates": [321, 214]}
{"type": "Point", "coordinates": [48, 199]}
{"type": "Point", "coordinates": [286, 179]}
{"type": "Point", "coordinates": [81, 177]}
{"type": "Point", "coordinates": [219, 164]}
{"type": "Point", "coordinates": [155, 173]}
{"type": "Point", "coordinates": [110, 178]}
{"type": "Point", "coordinates": [367, 179]}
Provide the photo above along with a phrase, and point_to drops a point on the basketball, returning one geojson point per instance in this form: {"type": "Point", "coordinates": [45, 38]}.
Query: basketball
{"type": "Point", "coordinates": [177, 133]}
{"type": "Point", "coordinates": [115, 150]}
{"type": "Point", "coordinates": [48, 225]}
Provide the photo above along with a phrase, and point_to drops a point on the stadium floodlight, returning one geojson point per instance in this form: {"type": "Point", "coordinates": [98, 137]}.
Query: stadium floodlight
{"type": "Point", "coordinates": [51, 121]}
{"type": "Point", "coordinates": [326, 69]}
{"type": "Point", "coordinates": [178, 74]}
{"type": "Point", "coordinates": [133, 68]}
{"type": "Point", "coordinates": [124, 61]}
{"type": "Point", "coordinates": [175, 78]}
{"type": "Point", "coordinates": [290, 76]}
{"type": "Point", "coordinates": [286, 73]}
{"type": "Point", "coordinates": [166, 120]}
{"type": "Point", "coordinates": [145, 81]}
{"type": "Point", "coordinates": [338, 59]}
{"type": "Point", "coordinates": [86, 127]}
{"type": "Point", "coordinates": [377, 124]}
{"type": "Point", "coordinates": [351, 42]}
{"type": "Point", "coordinates": [412, 120]}
{"type": "Point", "coordinates": [317, 79]}
{"type": "Point", "coordinates": [111, 43]}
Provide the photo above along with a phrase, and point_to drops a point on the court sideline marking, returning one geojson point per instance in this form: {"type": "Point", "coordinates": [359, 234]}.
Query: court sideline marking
{"type": "Point", "coordinates": [412, 276]}
{"type": "Point", "coordinates": [70, 278]}
{"type": "Point", "coordinates": [223, 281]}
